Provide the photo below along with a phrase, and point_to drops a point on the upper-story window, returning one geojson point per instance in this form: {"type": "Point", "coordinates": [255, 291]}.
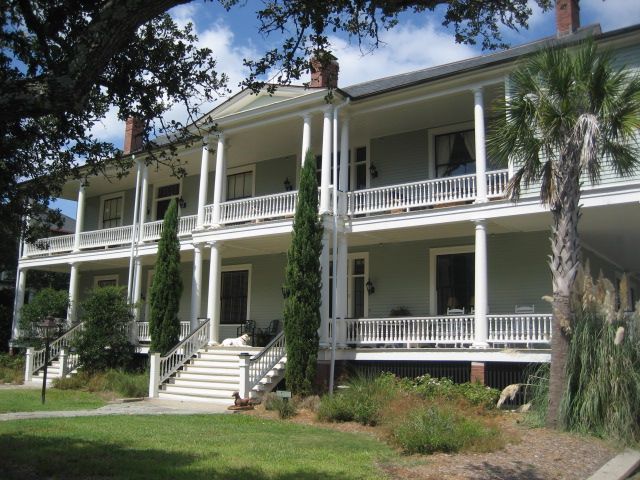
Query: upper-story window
{"type": "Point", "coordinates": [240, 185]}
{"type": "Point", "coordinates": [357, 176]}
{"type": "Point", "coordinates": [455, 153]}
{"type": "Point", "coordinates": [111, 210]}
{"type": "Point", "coordinates": [164, 195]}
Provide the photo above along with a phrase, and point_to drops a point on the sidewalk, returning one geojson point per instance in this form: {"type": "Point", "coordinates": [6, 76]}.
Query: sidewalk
{"type": "Point", "coordinates": [144, 407]}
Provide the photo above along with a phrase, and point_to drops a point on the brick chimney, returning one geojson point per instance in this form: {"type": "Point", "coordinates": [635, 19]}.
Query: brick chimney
{"type": "Point", "coordinates": [133, 135]}
{"type": "Point", "coordinates": [324, 73]}
{"type": "Point", "coordinates": [567, 17]}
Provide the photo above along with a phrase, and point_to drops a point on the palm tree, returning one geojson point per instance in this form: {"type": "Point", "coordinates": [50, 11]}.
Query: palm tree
{"type": "Point", "coordinates": [566, 113]}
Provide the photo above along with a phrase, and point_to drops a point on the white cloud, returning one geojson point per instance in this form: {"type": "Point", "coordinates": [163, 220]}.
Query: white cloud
{"type": "Point", "coordinates": [611, 14]}
{"type": "Point", "coordinates": [407, 47]}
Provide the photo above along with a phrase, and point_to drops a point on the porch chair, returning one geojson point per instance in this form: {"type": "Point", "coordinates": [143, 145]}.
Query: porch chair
{"type": "Point", "coordinates": [266, 334]}
{"type": "Point", "coordinates": [455, 311]}
{"type": "Point", "coordinates": [248, 327]}
{"type": "Point", "coordinates": [525, 309]}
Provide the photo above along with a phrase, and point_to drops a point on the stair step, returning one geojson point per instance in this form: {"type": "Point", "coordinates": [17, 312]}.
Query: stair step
{"type": "Point", "coordinates": [195, 398]}
{"type": "Point", "coordinates": [231, 350]}
{"type": "Point", "coordinates": [182, 382]}
{"type": "Point", "coordinates": [205, 377]}
{"type": "Point", "coordinates": [201, 391]}
{"type": "Point", "coordinates": [216, 357]}
{"type": "Point", "coordinates": [201, 362]}
{"type": "Point", "coordinates": [212, 371]}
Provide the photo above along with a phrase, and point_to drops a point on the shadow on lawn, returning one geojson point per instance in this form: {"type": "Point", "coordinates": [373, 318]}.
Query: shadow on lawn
{"type": "Point", "coordinates": [519, 471]}
{"type": "Point", "coordinates": [27, 457]}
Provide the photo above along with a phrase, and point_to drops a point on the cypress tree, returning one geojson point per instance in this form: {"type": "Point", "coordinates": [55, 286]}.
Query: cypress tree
{"type": "Point", "coordinates": [302, 286]}
{"type": "Point", "coordinates": [166, 290]}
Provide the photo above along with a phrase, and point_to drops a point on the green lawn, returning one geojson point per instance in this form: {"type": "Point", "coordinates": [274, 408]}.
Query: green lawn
{"type": "Point", "coordinates": [191, 447]}
{"type": "Point", "coordinates": [20, 400]}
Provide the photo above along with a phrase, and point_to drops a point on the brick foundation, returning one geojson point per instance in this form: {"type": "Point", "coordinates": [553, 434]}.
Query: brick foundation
{"type": "Point", "coordinates": [477, 372]}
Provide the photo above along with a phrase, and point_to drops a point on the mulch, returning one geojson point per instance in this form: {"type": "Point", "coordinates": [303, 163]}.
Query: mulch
{"type": "Point", "coordinates": [531, 454]}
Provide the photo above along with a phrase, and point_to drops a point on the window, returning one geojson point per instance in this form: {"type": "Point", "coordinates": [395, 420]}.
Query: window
{"type": "Point", "coordinates": [455, 277]}
{"type": "Point", "coordinates": [240, 185]}
{"type": "Point", "coordinates": [101, 281]}
{"type": "Point", "coordinates": [357, 276]}
{"type": "Point", "coordinates": [164, 195]}
{"type": "Point", "coordinates": [111, 210]}
{"type": "Point", "coordinates": [455, 153]}
{"type": "Point", "coordinates": [234, 296]}
{"type": "Point", "coordinates": [357, 176]}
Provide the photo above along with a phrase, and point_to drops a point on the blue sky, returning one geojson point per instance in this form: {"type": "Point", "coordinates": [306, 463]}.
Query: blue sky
{"type": "Point", "coordinates": [419, 41]}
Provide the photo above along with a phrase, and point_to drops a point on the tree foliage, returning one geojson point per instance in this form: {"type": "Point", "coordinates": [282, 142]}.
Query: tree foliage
{"type": "Point", "coordinates": [104, 343]}
{"type": "Point", "coordinates": [65, 63]}
{"type": "Point", "coordinates": [302, 286]}
{"type": "Point", "coordinates": [166, 290]}
{"type": "Point", "coordinates": [48, 302]}
{"type": "Point", "coordinates": [567, 113]}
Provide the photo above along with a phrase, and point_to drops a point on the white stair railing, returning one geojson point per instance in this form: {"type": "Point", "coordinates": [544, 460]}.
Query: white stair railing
{"type": "Point", "coordinates": [456, 330]}
{"type": "Point", "coordinates": [261, 363]}
{"type": "Point", "coordinates": [163, 367]}
{"type": "Point", "coordinates": [520, 328]}
{"type": "Point", "coordinates": [62, 342]}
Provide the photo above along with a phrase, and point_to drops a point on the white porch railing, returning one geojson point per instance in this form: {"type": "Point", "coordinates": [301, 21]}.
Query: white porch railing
{"type": "Point", "coordinates": [143, 333]}
{"type": "Point", "coordinates": [258, 208]}
{"type": "Point", "coordinates": [410, 195]}
{"type": "Point", "coordinates": [520, 328]}
{"type": "Point", "coordinates": [451, 330]}
{"type": "Point", "coordinates": [497, 183]}
{"type": "Point", "coordinates": [152, 231]}
{"type": "Point", "coordinates": [46, 246]}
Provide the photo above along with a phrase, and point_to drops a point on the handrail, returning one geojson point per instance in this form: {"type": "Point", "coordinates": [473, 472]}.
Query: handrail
{"type": "Point", "coordinates": [183, 351]}
{"type": "Point", "coordinates": [63, 341]}
{"type": "Point", "coordinates": [266, 359]}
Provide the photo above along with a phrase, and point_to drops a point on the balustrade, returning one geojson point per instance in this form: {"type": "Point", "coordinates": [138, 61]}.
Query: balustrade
{"type": "Point", "coordinates": [519, 328]}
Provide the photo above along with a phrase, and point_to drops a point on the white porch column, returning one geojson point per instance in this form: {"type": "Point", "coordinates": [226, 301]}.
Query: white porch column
{"type": "Point", "coordinates": [326, 161]}
{"type": "Point", "coordinates": [481, 290]}
{"type": "Point", "coordinates": [341, 286]}
{"type": "Point", "coordinates": [196, 286]}
{"type": "Point", "coordinates": [144, 193]}
{"type": "Point", "coordinates": [137, 288]}
{"type": "Point", "coordinates": [204, 182]}
{"type": "Point", "coordinates": [213, 297]}
{"type": "Point", "coordinates": [481, 156]}
{"type": "Point", "coordinates": [18, 301]}
{"type": "Point", "coordinates": [218, 187]}
{"type": "Point", "coordinates": [73, 294]}
{"type": "Point", "coordinates": [324, 288]}
{"type": "Point", "coordinates": [343, 180]}
{"type": "Point", "coordinates": [306, 136]}
{"type": "Point", "coordinates": [79, 218]}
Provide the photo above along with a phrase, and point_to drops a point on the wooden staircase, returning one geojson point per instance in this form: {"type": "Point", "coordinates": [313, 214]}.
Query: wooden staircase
{"type": "Point", "coordinates": [214, 374]}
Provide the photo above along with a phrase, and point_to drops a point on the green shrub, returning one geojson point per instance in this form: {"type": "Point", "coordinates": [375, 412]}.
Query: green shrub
{"type": "Point", "coordinates": [47, 302]}
{"type": "Point", "coordinates": [104, 343]}
{"type": "Point", "coordinates": [474, 393]}
{"type": "Point", "coordinates": [286, 408]}
{"type": "Point", "coordinates": [432, 428]}
{"type": "Point", "coordinates": [124, 384]}
{"type": "Point", "coordinates": [11, 368]}
{"type": "Point", "coordinates": [363, 401]}
{"type": "Point", "coordinates": [537, 394]}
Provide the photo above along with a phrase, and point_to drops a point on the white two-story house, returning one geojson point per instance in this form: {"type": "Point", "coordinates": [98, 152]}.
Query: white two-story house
{"type": "Point", "coordinates": [434, 267]}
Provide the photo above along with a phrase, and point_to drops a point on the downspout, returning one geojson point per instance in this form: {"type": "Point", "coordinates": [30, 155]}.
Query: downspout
{"type": "Point", "coordinates": [334, 303]}
{"type": "Point", "coordinates": [134, 231]}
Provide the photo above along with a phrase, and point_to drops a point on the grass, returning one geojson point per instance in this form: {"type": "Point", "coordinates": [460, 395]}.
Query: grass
{"type": "Point", "coordinates": [114, 383]}
{"type": "Point", "coordinates": [185, 447]}
{"type": "Point", "coordinates": [28, 400]}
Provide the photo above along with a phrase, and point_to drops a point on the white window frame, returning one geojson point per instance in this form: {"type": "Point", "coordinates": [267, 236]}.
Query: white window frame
{"type": "Point", "coordinates": [235, 268]}
{"type": "Point", "coordinates": [235, 171]}
{"type": "Point", "coordinates": [433, 253]}
{"type": "Point", "coordinates": [104, 198]}
{"type": "Point", "coordinates": [159, 185]}
{"type": "Point", "coordinates": [100, 278]}
{"type": "Point", "coordinates": [352, 166]}
{"type": "Point", "coordinates": [434, 132]}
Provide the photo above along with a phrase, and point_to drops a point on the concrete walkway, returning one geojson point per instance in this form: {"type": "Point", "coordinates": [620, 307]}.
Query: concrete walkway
{"type": "Point", "coordinates": [144, 407]}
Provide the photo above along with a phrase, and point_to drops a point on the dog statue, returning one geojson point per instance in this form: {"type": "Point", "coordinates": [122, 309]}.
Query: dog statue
{"type": "Point", "coordinates": [243, 402]}
{"type": "Point", "coordinates": [241, 341]}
